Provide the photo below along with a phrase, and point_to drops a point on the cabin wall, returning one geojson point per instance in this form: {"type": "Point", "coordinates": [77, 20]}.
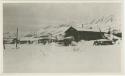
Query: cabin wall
{"type": "Point", "coordinates": [84, 35]}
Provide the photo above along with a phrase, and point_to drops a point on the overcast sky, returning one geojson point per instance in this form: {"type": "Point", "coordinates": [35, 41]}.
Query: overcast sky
{"type": "Point", "coordinates": [30, 17]}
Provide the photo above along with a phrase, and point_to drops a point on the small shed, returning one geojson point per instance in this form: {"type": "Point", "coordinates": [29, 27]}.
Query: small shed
{"type": "Point", "coordinates": [28, 40]}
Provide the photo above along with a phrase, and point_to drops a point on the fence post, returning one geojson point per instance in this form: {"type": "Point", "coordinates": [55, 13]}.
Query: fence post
{"type": "Point", "coordinates": [17, 38]}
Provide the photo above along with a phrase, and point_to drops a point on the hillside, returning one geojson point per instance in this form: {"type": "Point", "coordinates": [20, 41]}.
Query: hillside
{"type": "Point", "coordinates": [101, 23]}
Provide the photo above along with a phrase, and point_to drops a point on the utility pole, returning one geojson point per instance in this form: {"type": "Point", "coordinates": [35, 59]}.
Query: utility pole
{"type": "Point", "coordinates": [17, 38]}
{"type": "Point", "coordinates": [4, 44]}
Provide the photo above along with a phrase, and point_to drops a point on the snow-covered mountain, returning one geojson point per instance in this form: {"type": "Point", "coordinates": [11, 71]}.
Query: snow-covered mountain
{"type": "Point", "coordinates": [101, 24]}
{"type": "Point", "coordinates": [105, 23]}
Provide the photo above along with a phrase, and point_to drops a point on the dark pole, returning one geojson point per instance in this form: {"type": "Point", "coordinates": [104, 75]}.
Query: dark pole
{"type": "Point", "coordinates": [16, 37]}
{"type": "Point", "coordinates": [4, 44]}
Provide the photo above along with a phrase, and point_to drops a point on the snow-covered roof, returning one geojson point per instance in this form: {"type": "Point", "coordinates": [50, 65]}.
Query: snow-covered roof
{"type": "Point", "coordinates": [52, 31]}
{"type": "Point", "coordinates": [92, 29]}
{"type": "Point", "coordinates": [60, 31]}
{"type": "Point", "coordinates": [86, 29]}
{"type": "Point", "coordinates": [28, 38]}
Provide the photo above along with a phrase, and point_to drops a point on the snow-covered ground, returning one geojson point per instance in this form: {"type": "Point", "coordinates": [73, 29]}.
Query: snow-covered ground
{"type": "Point", "coordinates": [53, 58]}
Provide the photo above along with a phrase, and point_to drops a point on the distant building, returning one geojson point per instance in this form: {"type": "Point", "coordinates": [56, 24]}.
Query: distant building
{"type": "Point", "coordinates": [28, 40]}
{"type": "Point", "coordinates": [9, 38]}
{"type": "Point", "coordinates": [73, 33]}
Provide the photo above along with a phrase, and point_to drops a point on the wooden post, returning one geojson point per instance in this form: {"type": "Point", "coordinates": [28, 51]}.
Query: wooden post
{"type": "Point", "coordinates": [4, 44]}
{"type": "Point", "coordinates": [17, 38]}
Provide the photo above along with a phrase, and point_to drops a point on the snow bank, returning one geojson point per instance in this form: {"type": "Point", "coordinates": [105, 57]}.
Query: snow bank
{"type": "Point", "coordinates": [53, 58]}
